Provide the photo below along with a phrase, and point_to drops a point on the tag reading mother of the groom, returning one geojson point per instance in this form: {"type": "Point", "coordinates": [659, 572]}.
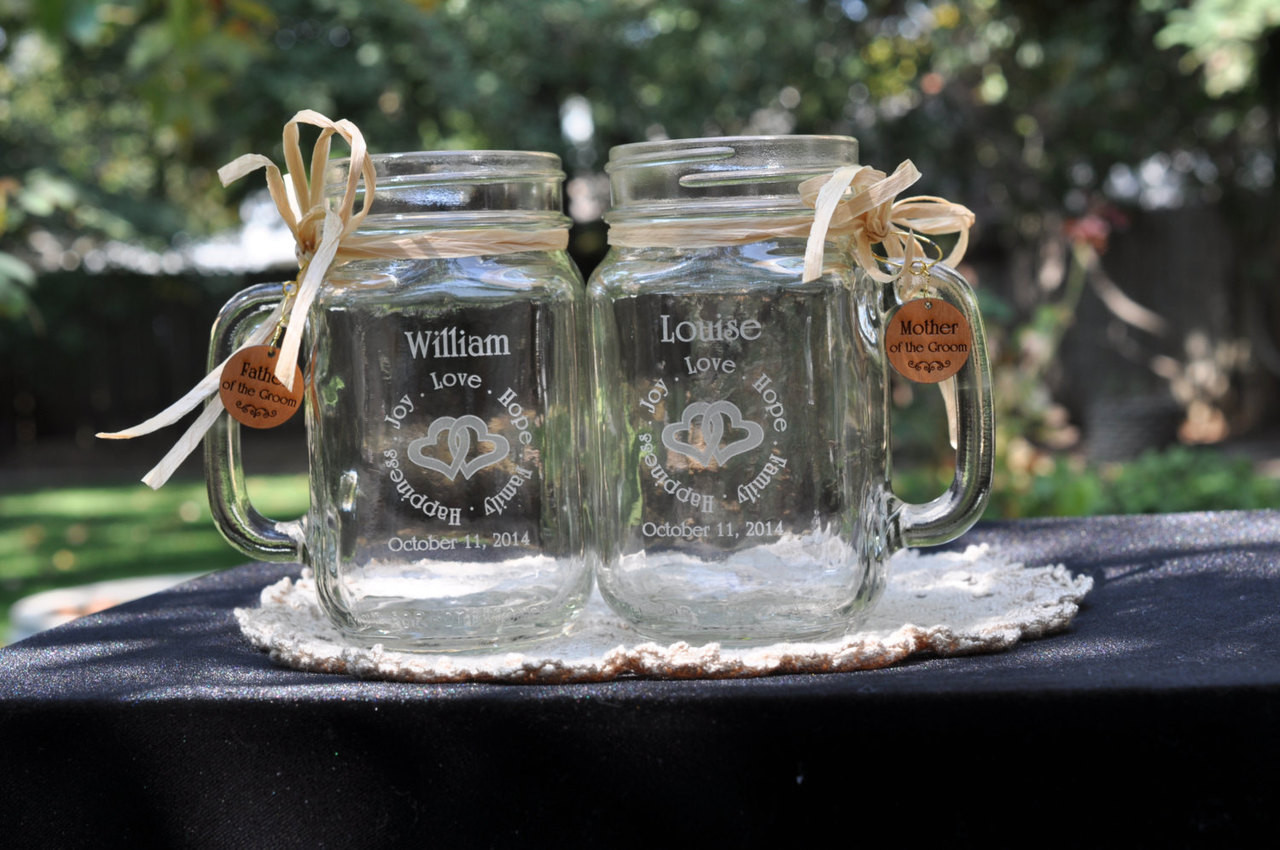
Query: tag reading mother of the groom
{"type": "Point", "coordinates": [252, 394]}
{"type": "Point", "coordinates": [928, 340]}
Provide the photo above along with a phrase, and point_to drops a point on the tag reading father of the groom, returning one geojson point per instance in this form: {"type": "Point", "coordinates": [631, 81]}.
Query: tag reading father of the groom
{"type": "Point", "coordinates": [252, 394]}
{"type": "Point", "coordinates": [928, 340]}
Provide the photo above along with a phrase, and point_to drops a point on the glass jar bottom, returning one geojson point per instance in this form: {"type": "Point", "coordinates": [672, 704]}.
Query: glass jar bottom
{"type": "Point", "coordinates": [464, 606]}
{"type": "Point", "coordinates": [762, 595]}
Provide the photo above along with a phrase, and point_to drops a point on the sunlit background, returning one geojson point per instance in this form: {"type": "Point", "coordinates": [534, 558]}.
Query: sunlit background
{"type": "Point", "coordinates": [1120, 158]}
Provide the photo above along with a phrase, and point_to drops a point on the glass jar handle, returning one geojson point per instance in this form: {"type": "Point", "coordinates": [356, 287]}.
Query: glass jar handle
{"type": "Point", "coordinates": [952, 513]}
{"type": "Point", "coordinates": [244, 528]}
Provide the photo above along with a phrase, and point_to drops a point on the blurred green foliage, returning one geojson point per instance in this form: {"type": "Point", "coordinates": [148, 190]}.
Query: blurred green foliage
{"type": "Point", "coordinates": [1224, 38]}
{"type": "Point", "coordinates": [128, 107]}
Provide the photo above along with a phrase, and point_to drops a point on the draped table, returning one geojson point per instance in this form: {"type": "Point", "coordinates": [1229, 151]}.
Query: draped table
{"type": "Point", "coordinates": [1153, 721]}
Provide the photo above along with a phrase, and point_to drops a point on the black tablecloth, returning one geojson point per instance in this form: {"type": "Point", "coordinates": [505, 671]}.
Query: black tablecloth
{"type": "Point", "coordinates": [1154, 721]}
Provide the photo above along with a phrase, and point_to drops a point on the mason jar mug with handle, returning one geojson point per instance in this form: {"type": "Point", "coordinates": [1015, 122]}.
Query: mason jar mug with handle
{"type": "Point", "coordinates": [445, 403]}
{"type": "Point", "coordinates": [743, 410]}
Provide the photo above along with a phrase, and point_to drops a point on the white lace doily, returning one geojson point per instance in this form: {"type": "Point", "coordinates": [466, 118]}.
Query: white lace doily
{"type": "Point", "coordinates": [947, 603]}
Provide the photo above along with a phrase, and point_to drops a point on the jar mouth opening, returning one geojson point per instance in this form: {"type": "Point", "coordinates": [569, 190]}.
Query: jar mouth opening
{"type": "Point", "coordinates": [467, 183]}
{"type": "Point", "coordinates": [721, 174]}
{"type": "Point", "coordinates": [766, 151]}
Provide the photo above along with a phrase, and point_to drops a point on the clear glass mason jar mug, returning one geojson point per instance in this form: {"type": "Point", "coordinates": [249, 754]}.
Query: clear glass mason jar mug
{"type": "Point", "coordinates": [744, 419]}
{"type": "Point", "coordinates": [445, 404]}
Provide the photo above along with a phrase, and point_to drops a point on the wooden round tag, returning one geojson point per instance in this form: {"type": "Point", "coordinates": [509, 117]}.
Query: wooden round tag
{"type": "Point", "coordinates": [928, 340]}
{"type": "Point", "coordinates": [252, 394]}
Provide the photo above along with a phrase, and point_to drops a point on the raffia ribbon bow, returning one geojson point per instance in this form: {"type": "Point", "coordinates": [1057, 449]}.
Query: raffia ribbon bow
{"type": "Point", "coordinates": [320, 232]}
{"type": "Point", "coordinates": [325, 237]}
{"type": "Point", "coordinates": [870, 216]}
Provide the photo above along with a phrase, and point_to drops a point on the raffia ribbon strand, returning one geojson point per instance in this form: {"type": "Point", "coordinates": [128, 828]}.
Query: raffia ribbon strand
{"type": "Point", "coordinates": [870, 216]}
{"type": "Point", "coordinates": [325, 238]}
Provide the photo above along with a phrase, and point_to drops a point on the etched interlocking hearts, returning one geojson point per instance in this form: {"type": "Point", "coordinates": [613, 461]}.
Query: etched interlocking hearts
{"type": "Point", "coordinates": [465, 432]}
{"type": "Point", "coordinates": [714, 420]}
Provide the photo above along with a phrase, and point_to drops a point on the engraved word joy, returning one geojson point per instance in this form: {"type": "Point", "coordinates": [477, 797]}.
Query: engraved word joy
{"type": "Point", "coordinates": [700, 434]}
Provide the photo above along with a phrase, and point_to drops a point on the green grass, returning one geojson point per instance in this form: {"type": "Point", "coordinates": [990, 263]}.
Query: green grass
{"type": "Point", "coordinates": [68, 536]}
